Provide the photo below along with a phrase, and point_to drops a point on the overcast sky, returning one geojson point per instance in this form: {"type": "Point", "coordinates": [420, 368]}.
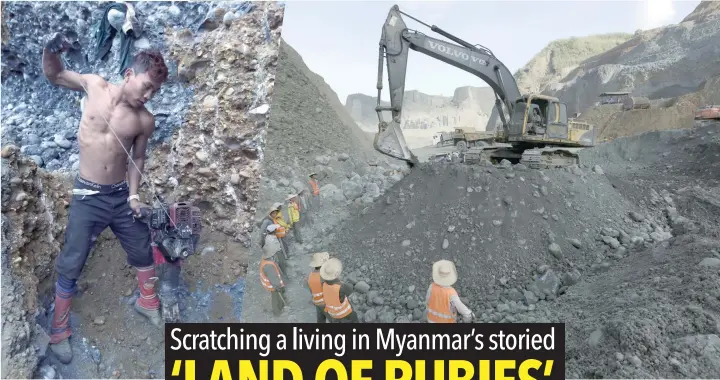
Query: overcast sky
{"type": "Point", "coordinates": [339, 39]}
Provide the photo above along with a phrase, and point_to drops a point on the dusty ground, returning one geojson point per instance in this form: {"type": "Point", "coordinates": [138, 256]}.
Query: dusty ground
{"type": "Point", "coordinates": [104, 320]}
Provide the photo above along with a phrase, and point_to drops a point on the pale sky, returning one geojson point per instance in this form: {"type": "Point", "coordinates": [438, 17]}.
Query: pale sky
{"type": "Point", "coordinates": [339, 39]}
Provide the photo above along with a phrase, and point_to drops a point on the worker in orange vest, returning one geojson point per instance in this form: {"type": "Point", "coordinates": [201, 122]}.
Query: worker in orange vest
{"type": "Point", "coordinates": [315, 190]}
{"type": "Point", "coordinates": [294, 214]}
{"type": "Point", "coordinates": [336, 293]}
{"type": "Point", "coordinates": [442, 300]}
{"type": "Point", "coordinates": [277, 218]}
{"type": "Point", "coordinates": [272, 279]}
{"type": "Point", "coordinates": [315, 285]}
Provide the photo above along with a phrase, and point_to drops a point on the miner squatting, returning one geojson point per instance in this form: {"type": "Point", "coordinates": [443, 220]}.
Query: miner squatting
{"type": "Point", "coordinates": [386, 340]}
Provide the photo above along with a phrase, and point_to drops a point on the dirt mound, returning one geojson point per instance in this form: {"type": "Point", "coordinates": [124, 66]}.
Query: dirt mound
{"type": "Point", "coordinates": [498, 223]}
{"type": "Point", "coordinates": [34, 212]}
{"type": "Point", "coordinates": [626, 255]}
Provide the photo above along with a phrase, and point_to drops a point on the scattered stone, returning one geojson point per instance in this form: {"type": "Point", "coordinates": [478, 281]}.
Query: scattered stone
{"type": "Point", "coordinates": [445, 244]}
{"type": "Point", "coordinates": [362, 287]}
{"type": "Point", "coordinates": [99, 321]}
{"type": "Point", "coordinates": [575, 243]}
{"type": "Point", "coordinates": [555, 250]}
{"type": "Point", "coordinates": [201, 155]}
{"type": "Point", "coordinates": [611, 241]}
{"type": "Point", "coordinates": [597, 169]}
{"type": "Point", "coordinates": [595, 338]}
{"type": "Point", "coordinates": [637, 217]}
{"type": "Point", "coordinates": [710, 262]}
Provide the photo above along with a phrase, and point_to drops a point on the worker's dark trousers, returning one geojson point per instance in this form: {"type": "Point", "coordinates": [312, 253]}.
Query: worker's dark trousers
{"type": "Point", "coordinates": [351, 318]}
{"type": "Point", "coordinates": [322, 317]}
{"type": "Point", "coordinates": [281, 262]}
{"type": "Point", "coordinates": [277, 302]}
{"type": "Point", "coordinates": [285, 246]}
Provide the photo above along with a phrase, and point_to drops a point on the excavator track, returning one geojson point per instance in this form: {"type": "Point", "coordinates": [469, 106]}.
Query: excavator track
{"type": "Point", "coordinates": [548, 158]}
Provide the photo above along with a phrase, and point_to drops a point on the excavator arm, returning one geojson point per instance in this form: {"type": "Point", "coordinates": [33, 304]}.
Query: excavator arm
{"type": "Point", "coordinates": [395, 44]}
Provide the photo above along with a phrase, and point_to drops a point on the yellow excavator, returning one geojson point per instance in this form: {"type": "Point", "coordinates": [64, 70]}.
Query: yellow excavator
{"type": "Point", "coordinates": [532, 129]}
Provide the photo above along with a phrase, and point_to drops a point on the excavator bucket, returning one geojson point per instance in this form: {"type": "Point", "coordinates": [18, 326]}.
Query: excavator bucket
{"type": "Point", "coordinates": [390, 141]}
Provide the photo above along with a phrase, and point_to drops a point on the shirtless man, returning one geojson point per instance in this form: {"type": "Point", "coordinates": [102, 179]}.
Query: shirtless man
{"type": "Point", "coordinates": [106, 190]}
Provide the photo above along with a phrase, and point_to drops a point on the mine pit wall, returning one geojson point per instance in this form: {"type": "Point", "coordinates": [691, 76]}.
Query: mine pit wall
{"type": "Point", "coordinates": [207, 146]}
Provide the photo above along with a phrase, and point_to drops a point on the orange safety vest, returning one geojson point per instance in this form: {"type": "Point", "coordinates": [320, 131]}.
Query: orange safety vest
{"type": "Point", "coordinates": [316, 288]}
{"type": "Point", "coordinates": [266, 281]}
{"type": "Point", "coordinates": [333, 305]}
{"type": "Point", "coordinates": [315, 187]}
{"type": "Point", "coordinates": [280, 231]}
{"type": "Point", "coordinates": [438, 307]}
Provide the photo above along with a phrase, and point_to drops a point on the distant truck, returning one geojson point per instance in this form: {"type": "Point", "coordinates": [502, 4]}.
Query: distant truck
{"type": "Point", "coordinates": [710, 112]}
{"type": "Point", "coordinates": [462, 138]}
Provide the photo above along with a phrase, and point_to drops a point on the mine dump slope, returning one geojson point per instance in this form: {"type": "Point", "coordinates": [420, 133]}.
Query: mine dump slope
{"type": "Point", "coordinates": [623, 250]}
{"type": "Point", "coordinates": [206, 149]}
{"type": "Point", "coordinates": [310, 132]}
{"type": "Point", "coordinates": [659, 63]}
{"type": "Point", "coordinates": [611, 121]}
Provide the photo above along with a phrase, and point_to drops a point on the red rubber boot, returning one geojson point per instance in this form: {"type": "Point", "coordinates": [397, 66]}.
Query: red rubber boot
{"type": "Point", "coordinates": [148, 305]}
{"type": "Point", "coordinates": [60, 331]}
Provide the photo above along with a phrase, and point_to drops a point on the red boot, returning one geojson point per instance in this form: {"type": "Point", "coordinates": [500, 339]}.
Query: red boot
{"type": "Point", "coordinates": [148, 305]}
{"type": "Point", "coordinates": [60, 331]}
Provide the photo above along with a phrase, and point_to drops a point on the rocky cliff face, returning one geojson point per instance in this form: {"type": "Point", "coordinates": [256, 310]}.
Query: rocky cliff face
{"type": "Point", "coordinates": [659, 63]}
{"type": "Point", "coordinates": [469, 107]}
{"type": "Point", "coordinates": [560, 57]}
{"type": "Point", "coordinates": [208, 145]}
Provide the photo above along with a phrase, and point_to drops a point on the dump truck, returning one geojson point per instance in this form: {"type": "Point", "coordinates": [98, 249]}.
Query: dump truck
{"type": "Point", "coordinates": [463, 138]}
{"type": "Point", "coordinates": [709, 112]}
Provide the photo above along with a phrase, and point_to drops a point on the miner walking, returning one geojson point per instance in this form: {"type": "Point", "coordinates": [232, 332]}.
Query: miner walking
{"type": "Point", "coordinates": [336, 293]}
{"type": "Point", "coordinates": [442, 300]}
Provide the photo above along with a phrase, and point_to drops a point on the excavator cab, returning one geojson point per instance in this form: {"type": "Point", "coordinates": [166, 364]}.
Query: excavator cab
{"type": "Point", "coordinates": [525, 124]}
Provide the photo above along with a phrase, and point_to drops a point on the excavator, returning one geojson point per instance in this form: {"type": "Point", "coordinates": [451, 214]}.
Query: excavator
{"type": "Point", "coordinates": [533, 129]}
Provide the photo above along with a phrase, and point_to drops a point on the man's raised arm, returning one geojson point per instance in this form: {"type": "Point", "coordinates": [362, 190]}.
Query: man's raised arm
{"type": "Point", "coordinates": [54, 69]}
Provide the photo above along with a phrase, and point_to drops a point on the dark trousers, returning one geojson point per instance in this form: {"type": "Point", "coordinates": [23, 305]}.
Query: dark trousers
{"type": "Point", "coordinates": [283, 240]}
{"type": "Point", "coordinates": [322, 316]}
{"type": "Point", "coordinates": [90, 215]}
{"type": "Point", "coordinates": [277, 301]}
{"type": "Point", "coordinates": [350, 318]}
{"type": "Point", "coordinates": [296, 231]}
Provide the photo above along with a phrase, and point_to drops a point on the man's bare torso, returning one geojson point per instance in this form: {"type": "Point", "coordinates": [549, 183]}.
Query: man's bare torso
{"type": "Point", "coordinates": [102, 157]}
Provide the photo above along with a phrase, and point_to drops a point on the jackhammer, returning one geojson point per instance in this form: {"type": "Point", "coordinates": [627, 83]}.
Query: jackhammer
{"type": "Point", "coordinates": [175, 229]}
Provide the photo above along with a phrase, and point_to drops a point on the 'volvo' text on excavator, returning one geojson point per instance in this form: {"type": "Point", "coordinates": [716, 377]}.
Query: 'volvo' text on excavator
{"type": "Point", "coordinates": [534, 129]}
